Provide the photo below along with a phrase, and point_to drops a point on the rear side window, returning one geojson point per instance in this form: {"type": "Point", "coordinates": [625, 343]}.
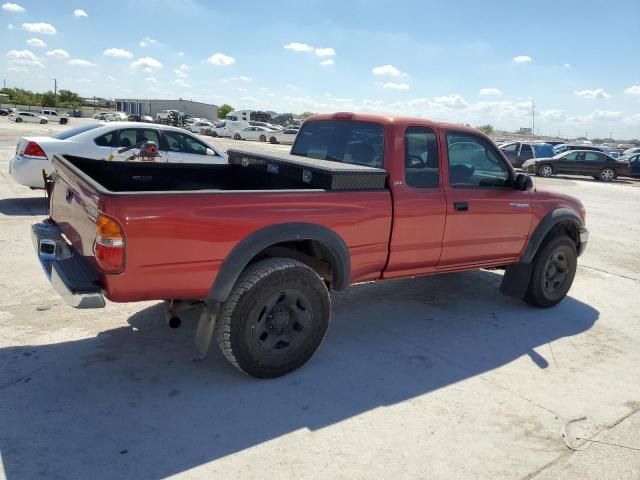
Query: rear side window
{"type": "Point", "coordinates": [525, 148]}
{"type": "Point", "coordinates": [106, 140]}
{"type": "Point", "coordinates": [420, 157]}
{"type": "Point", "coordinates": [359, 143]}
{"type": "Point", "coordinates": [592, 157]}
{"type": "Point", "coordinates": [179, 142]}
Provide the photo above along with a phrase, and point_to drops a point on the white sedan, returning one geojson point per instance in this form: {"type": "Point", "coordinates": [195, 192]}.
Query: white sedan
{"type": "Point", "coordinates": [99, 141]}
{"type": "Point", "coordinates": [253, 133]}
{"type": "Point", "coordinates": [27, 117]}
{"type": "Point", "coordinates": [288, 135]}
{"type": "Point", "coordinates": [200, 127]}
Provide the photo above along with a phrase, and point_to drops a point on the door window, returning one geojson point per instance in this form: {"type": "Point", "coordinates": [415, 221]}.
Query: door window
{"type": "Point", "coordinates": [591, 157]}
{"type": "Point", "coordinates": [525, 149]}
{"type": "Point", "coordinates": [510, 148]}
{"type": "Point", "coordinates": [421, 157]}
{"type": "Point", "coordinates": [571, 157]}
{"type": "Point", "coordinates": [179, 142]}
{"type": "Point", "coordinates": [473, 162]}
{"type": "Point", "coordinates": [135, 136]}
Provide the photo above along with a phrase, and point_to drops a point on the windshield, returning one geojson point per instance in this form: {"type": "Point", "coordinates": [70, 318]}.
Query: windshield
{"type": "Point", "coordinates": [72, 132]}
{"type": "Point", "coordinates": [543, 150]}
{"type": "Point", "coordinates": [360, 143]}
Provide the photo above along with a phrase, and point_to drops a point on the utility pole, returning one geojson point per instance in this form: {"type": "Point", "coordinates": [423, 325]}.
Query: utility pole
{"type": "Point", "coordinates": [533, 118]}
{"type": "Point", "coordinates": [55, 87]}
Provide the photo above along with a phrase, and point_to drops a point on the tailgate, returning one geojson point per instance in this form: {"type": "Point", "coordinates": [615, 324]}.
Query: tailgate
{"type": "Point", "coordinates": [74, 206]}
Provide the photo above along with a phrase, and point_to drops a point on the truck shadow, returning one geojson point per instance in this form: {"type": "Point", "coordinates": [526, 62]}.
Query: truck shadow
{"type": "Point", "coordinates": [36, 206]}
{"type": "Point", "coordinates": [133, 402]}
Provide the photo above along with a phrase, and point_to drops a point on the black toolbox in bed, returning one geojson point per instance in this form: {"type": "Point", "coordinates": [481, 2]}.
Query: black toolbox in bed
{"type": "Point", "coordinates": [325, 174]}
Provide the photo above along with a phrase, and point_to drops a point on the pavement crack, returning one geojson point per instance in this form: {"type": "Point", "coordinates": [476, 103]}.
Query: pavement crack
{"type": "Point", "coordinates": [19, 379]}
{"type": "Point", "coordinates": [610, 273]}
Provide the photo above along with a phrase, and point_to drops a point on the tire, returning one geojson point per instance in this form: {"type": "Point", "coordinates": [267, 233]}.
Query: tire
{"type": "Point", "coordinates": [18, 120]}
{"type": "Point", "coordinates": [553, 271]}
{"type": "Point", "coordinates": [545, 171]}
{"type": "Point", "coordinates": [273, 140]}
{"type": "Point", "coordinates": [263, 138]}
{"type": "Point", "coordinates": [237, 137]}
{"type": "Point", "coordinates": [607, 174]}
{"type": "Point", "coordinates": [275, 318]}
{"type": "Point", "coordinates": [214, 134]}
{"type": "Point", "coordinates": [63, 121]}
{"type": "Point", "coordinates": [43, 122]}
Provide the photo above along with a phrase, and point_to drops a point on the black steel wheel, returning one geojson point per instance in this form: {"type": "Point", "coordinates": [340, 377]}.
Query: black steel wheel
{"type": "Point", "coordinates": [273, 140]}
{"type": "Point", "coordinates": [263, 138]}
{"type": "Point", "coordinates": [237, 136]}
{"type": "Point", "coordinates": [553, 271]}
{"type": "Point", "coordinates": [275, 318]}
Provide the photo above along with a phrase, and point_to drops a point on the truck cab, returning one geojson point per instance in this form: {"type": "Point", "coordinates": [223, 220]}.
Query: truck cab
{"type": "Point", "coordinates": [53, 116]}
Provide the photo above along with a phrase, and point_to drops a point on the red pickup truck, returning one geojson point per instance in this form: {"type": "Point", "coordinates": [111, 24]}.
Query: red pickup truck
{"type": "Point", "coordinates": [260, 242]}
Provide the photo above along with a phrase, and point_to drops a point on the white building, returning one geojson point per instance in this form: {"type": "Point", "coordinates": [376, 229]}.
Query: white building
{"type": "Point", "coordinates": [138, 106]}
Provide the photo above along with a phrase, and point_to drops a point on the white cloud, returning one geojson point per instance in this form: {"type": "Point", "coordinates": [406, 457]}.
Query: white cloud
{"type": "Point", "coordinates": [118, 53]}
{"type": "Point", "coordinates": [632, 120]}
{"type": "Point", "coordinates": [522, 59]}
{"type": "Point", "coordinates": [604, 115]}
{"type": "Point", "coordinates": [388, 70]}
{"type": "Point", "coordinates": [58, 53]}
{"type": "Point", "coordinates": [396, 86]}
{"type": "Point", "coordinates": [325, 52]}
{"type": "Point", "coordinates": [244, 78]}
{"type": "Point", "coordinates": [591, 94]}
{"type": "Point", "coordinates": [328, 61]}
{"type": "Point", "coordinates": [148, 63]}
{"type": "Point", "coordinates": [567, 65]}
{"type": "Point", "coordinates": [111, 79]}
{"type": "Point", "coordinates": [632, 90]}
{"type": "Point", "coordinates": [291, 86]}
{"type": "Point", "coordinates": [147, 42]}
{"type": "Point", "coordinates": [12, 7]}
{"type": "Point", "coordinates": [181, 54]}
{"type": "Point", "coordinates": [39, 27]}
{"type": "Point", "coordinates": [151, 79]}
{"type": "Point", "coordinates": [36, 42]}
{"type": "Point", "coordinates": [184, 67]}
{"type": "Point", "coordinates": [490, 91]}
{"type": "Point", "coordinates": [299, 47]}
{"type": "Point", "coordinates": [79, 13]}
{"type": "Point", "coordinates": [180, 73]}
{"type": "Point", "coordinates": [242, 90]}
{"type": "Point", "coordinates": [78, 62]}
{"type": "Point", "coordinates": [10, 26]}
{"type": "Point", "coordinates": [451, 101]}
{"type": "Point", "coordinates": [181, 83]}
{"type": "Point", "coordinates": [220, 59]}
{"type": "Point", "coordinates": [22, 59]}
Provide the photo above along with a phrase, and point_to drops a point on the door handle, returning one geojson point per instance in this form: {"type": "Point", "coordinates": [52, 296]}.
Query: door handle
{"type": "Point", "coordinates": [461, 206]}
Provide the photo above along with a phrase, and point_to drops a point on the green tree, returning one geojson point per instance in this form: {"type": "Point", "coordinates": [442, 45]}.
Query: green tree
{"type": "Point", "coordinates": [307, 114]}
{"type": "Point", "coordinates": [224, 110]}
{"type": "Point", "coordinates": [69, 98]}
{"type": "Point", "coordinates": [48, 99]}
{"type": "Point", "coordinates": [488, 129]}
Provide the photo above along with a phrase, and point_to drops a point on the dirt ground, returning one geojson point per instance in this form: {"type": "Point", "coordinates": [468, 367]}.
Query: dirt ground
{"type": "Point", "coordinates": [437, 377]}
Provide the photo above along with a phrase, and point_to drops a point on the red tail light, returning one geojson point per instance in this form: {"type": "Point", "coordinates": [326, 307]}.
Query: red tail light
{"type": "Point", "coordinates": [33, 150]}
{"type": "Point", "coordinates": [109, 245]}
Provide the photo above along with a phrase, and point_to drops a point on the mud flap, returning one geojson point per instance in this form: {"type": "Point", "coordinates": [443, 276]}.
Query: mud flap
{"type": "Point", "coordinates": [516, 280]}
{"type": "Point", "coordinates": [206, 325]}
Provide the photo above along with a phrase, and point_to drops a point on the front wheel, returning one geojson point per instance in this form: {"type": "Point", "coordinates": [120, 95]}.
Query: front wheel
{"type": "Point", "coordinates": [43, 121]}
{"type": "Point", "coordinates": [263, 138]}
{"type": "Point", "coordinates": [607, 174]}
{"type": "Point", "coordinates": [545, 171]}
{"type": "Point", "coordinates": [237, 137]}
{"type": "Point", "coordinates": [213, 134]}
{"type": "Point", "coordinates": [273, 140]}
{"type": "Point", "coordinates": [18, 120]}
{"type": "Point", "coordinates": [553, 270]}
{"type": "Point", "coordinates": [275, 318]}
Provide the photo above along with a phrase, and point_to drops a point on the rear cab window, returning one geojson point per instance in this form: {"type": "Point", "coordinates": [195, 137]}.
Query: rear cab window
{"type": "Point", "coordinates": [346, 141]}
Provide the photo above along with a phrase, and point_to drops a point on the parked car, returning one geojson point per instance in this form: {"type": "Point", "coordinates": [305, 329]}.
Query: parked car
{"type": "Point", "coordinates": [579, 146]}
{"type": "Point", "coordinates": [631, 151]}
{"type": "Point", "coordinates": [55, 117]}
{"type": "Point", "coordinates": [519, 152]}
{"type": "Point", "coordinates": [100, 115]}
{"type": "Point", "coordinates": [4, 112]}
{"type": "Point", "coordinates": [200, 127]}
{"type": "Point", "coordinates": [579, 162]}
{"type": "Point", "coordinates": [27, 117]}
{"type": "Point", "coordinates": [288, 135]}
{"type": "Point", "coordinates": [227, 128]}
{"type": "Point", "coordinates": [634, 165]}
{"type": "Point", "coordinates": [261, 241]}
{"type": "Point", "coordinates": [253, 133]}
{"type": "Point", "coordinates": [165, 115]}
{"type": "Point", "coordinates": [116, 117]}
{"type": "Point", "coordinates": [140, 118]}
{"type": "Point", "coordinates": [99, 140]}
{"type": "Point", "coordinates": [614, 154]}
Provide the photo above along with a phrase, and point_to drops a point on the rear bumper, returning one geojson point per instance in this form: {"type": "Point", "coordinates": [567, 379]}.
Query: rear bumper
{"type": "Point", "coordinates": [584, 239]}
{"type": "Point", "coordinates": [28, 171]}
{"type": "Point", "coordinates": [74, 280]}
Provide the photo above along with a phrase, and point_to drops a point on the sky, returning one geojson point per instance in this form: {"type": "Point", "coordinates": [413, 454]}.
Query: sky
{"type": "Point", "coordinates": [461, 61]}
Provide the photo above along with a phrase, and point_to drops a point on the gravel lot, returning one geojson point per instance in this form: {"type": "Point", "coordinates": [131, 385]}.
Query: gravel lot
{"type": "Point", "coordinates": [438, 377]}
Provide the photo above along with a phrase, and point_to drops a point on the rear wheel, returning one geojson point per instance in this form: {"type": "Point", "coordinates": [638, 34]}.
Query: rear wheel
{"type": "Point", "coordinates": [553, 270]}
{"type": "Point", "coordinates": [545, 171]}
{"type": "Point", "coordinates": [18, 120]}
{"type": "Point", "coordinates": [273, 140]}
{"type": "Point", "coordinates": [43, 121]}
{"type": "Point", "coordinates": [607, 174]}
{"type": "Point", "coordinates": [275, 318]}
{"type": "Point", "coordinates": [213, 134]}
{"type": "Point", "coordinates": [237, 136]}
{"type": "Point", "coordinates": [263, 138]}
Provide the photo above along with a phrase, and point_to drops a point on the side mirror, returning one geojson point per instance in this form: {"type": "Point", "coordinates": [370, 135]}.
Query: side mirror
{"type": "Point", "coordinates": [210, 152]}
{"type": "Point", "coordinates": [523, 182]}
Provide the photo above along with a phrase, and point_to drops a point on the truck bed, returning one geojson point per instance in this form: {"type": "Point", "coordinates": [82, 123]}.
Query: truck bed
{"type": "Point", "coordinates": [246, 171]}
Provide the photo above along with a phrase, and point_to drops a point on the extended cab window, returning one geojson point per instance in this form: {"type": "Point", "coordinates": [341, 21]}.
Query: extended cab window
{"type": "Point", "coordinates": [474, 163]}
{"type": "Point", "coordinates": [420, 157]}
{"type": "Point", "coordinates": [360, 143]}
